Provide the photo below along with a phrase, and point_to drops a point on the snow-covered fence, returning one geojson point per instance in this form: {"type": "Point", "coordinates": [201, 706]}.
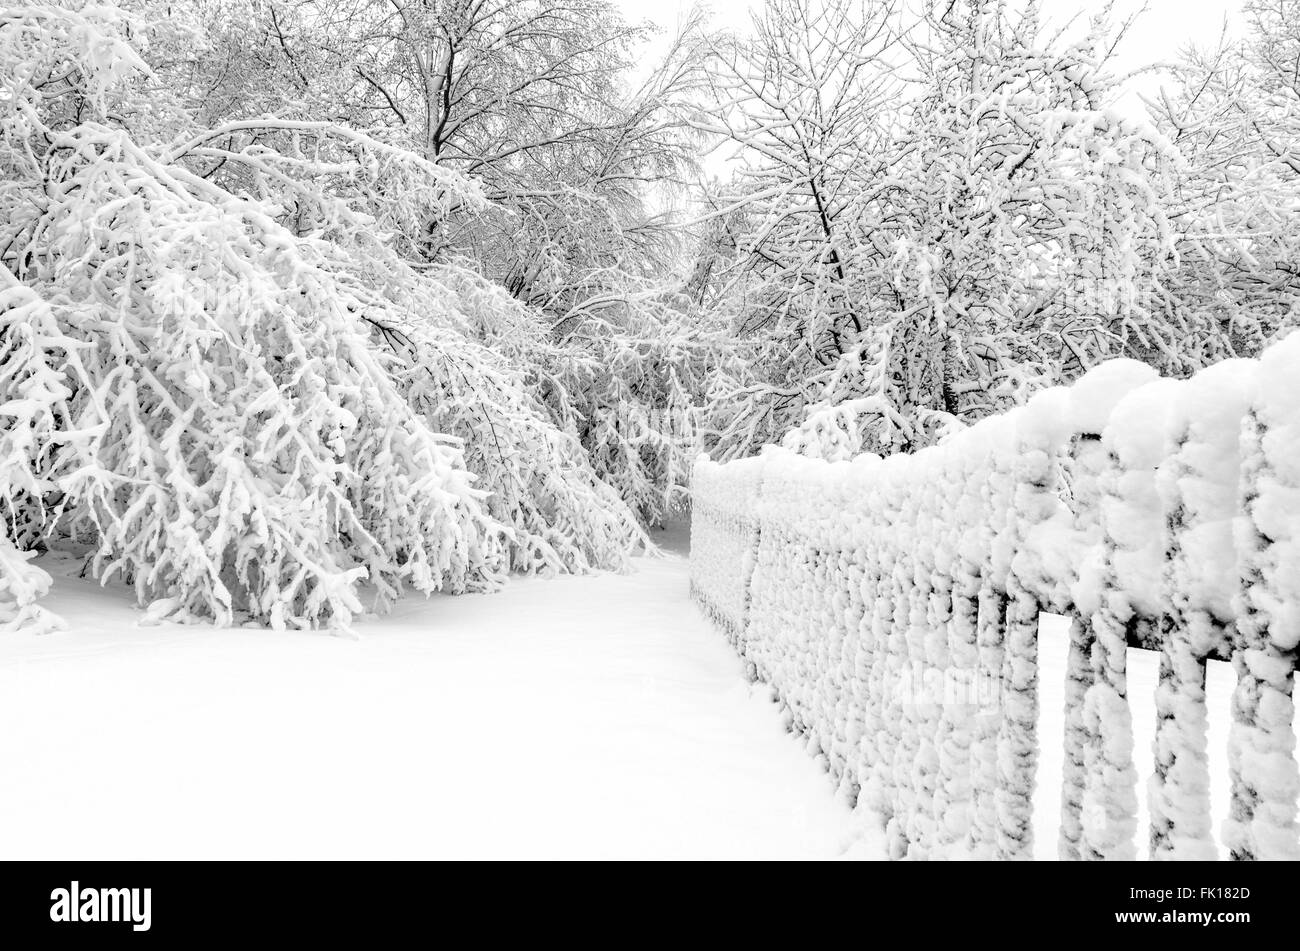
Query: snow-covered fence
{"type": "Point", "coordinates": [893, 605]}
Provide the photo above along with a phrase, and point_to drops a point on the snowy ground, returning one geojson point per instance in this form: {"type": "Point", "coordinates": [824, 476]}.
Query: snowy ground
{"type": "Point", "coordinates": [575, 717]}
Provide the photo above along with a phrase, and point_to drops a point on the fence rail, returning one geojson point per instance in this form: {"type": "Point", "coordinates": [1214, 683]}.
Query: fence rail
{"type": "Point", "coordinates": [894, 604]}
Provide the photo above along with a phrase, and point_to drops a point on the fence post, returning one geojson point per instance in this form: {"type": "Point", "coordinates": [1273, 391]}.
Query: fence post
{"type": "Point", "coordinates": [953, 808]}
{"type": "Point", "coordinates": [1261, 747]}
{"type": "Point", "coordinates": [990, 633]}
{"type": "Point", "coordinates": [1079, 677]}
{"type": "Point", "coordinates": [1017, 740]}
{"type": "Point", "coordinates": [1180, 786]}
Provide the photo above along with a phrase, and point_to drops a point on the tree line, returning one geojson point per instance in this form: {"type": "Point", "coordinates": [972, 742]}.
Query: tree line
{"type": "Point", "coordinates": [306, 302]}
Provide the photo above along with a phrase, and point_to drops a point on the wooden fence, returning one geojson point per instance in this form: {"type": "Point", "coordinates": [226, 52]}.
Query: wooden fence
{"type": "Point", "coordinates": [893, 604]}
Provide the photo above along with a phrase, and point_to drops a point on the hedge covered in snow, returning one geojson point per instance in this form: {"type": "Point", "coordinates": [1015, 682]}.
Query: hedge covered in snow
{"type": "Point", "coordinates": [893, 605]}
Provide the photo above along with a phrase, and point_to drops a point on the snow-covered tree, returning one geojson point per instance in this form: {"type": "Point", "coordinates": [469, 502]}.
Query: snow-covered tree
{"type": "Point", "coordinates": [1031, 238]}
{"type": "Point", "coordinates": [205, 326]}
{"type": "Point", "coordinates": [934, 218]}
{"type": "Point", "coordinates": [36, 361]}
{"type": "Point", "coordinates": [1233, 111]}
{"type": "Point", "coordinates": [804, 103]}
{"type": "Point", "coordinates": [576, 150]}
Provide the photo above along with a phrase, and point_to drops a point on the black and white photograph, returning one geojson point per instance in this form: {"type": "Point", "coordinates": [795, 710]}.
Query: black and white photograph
{"type": "Point", "coordinates": [628, 430]}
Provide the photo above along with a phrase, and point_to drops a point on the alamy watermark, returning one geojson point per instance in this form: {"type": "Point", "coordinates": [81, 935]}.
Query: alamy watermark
{"type": "Point", "coordinates": [974, 692]}
{"type": "Point", "coordinates": [75, 904]}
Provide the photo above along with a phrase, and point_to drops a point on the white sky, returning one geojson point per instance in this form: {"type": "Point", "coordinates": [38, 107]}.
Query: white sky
{"type": "Point", "coordinates": [1158, 35]}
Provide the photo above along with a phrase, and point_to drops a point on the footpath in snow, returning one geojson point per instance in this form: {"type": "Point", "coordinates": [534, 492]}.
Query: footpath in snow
{"type": "Point", "coordinates": [572, 717]}
{"type": "Point", "coordinates": [562, 718]}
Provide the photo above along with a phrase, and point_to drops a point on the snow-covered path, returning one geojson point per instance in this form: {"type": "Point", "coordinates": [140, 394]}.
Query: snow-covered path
{"type": "Point", "coordinates": [572, 717]}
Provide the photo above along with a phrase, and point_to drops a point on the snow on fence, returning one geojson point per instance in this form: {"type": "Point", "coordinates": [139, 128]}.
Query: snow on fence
{"type": "Point", "coordinates": [893, 605]}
